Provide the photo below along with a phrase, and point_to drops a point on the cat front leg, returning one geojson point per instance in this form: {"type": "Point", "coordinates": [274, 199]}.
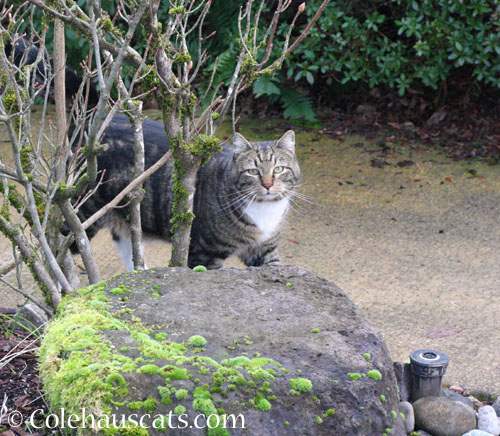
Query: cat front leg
{"type": "Point", "coordinates": [266, 254]}
{"type": "Point", "coordinates": [123, 244]}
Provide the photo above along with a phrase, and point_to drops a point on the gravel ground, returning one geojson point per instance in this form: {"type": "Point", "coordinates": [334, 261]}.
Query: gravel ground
{"type": "Point", "coordinates": [412, 236]}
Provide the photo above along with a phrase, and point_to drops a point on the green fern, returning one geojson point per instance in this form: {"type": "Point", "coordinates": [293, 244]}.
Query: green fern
{"type": "Point", "coordinates": [295, 105]}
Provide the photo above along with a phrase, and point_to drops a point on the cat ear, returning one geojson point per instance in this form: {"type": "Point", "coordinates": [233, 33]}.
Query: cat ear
{"type": "Point", "coordinates": [240, 144]}
{"type": "Point", "coordinates": [287, 141]}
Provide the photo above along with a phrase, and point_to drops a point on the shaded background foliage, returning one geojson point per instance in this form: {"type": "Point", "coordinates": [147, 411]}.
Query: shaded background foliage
{"type": "Point", "coordinates": [441, 49]}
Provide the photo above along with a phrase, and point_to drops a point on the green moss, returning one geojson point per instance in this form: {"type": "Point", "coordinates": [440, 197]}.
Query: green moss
{"type": "Point", "coordinates": [374, 374]}
{"type": "Point", "coordinates": [179, 410]}
{"type": "Point", "coordinates": [319, 420]}
{"type": "Point", "coordinates": [301, 384]}
{"type": "Point", "coordinates": [175, 11]}
{"type": "Point", "coordinates": [174, 373]}
{"type": "Point", "coordinates": [329, 412]}
{"type": "Point", "coordinates": [354, 375]}
{"type": "Point", "coordinates": [197, 341]}
{"type": "Point", "coordinates": [71, 382]}
{"type": "Point", "coordinates": [382, 398]}
{"type": "Point", "coordinates": [199, 268]}
{"type": "Point", "coordinates": [116, 378]}
{"type": "Point", "coordinates": [367, 356]}
{"type": "Point", "coordinates": [181, 394]}
{"type": "Point", "coordinates": [205, 146]}
{"type": "Point", "coordinates": [120, 290]}
{"type": "Point", "coordinates": [135, 405]}
{"type": "Point", "coordinates": [182, 57]}
{"type": "Point", "coordinates": [393, 414]}
{"type": "Point", "coordinates": [261, 403]}
{"type": "Point", "coordinates": [286, 423]}
{"type": "Point", "coordinates": [80, 368]}
{"type": "Point", "coordinates": [148, 369]}
{"type": "Point", "coordinates": [150, 404]}
{"type": "Point", "coordinates": [288, 285]}
{"type": "Point", "coordinates": [315, 331]}
{"type": "Point", "coordinates": [165, 395]}
{"type": "Point", "coordinates": [133, 430]}
{"type": "Point", "coordinates": [236, 361]}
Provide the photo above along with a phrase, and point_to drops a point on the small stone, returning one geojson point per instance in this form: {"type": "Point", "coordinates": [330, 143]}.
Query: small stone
{"type": "Point", "coordinates": [407, 410]}
{"type": "Point", "coordinates": [477, 433]}
{"type": "Point", "coordinates": [488, 420]}
{"type": "Point", "coordinates": [443, 417]}
{"type": "Point", "coordinates": [457, 389]}
{"type": "Point", "coordinates": [496, 406]}
{"type": "Point", "coordinates": [477, 404]}
{"type": "Point", "coordinates": [453, 396]}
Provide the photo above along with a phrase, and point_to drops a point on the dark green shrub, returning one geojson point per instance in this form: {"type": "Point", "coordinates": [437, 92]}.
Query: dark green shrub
{"type": "Point", "coordinates": [401, 43]}
{"type": "Point", "coordinates": [356, 43]}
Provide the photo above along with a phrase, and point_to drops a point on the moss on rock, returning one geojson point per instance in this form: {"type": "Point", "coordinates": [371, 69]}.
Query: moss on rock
{"type": "Point", "coordinates": [81, 368]}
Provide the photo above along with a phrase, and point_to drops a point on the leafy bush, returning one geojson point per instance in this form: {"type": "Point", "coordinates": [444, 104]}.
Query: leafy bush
{"type": "Point", "coordinates": [395, 43]}
{"type": "Point", "coordinates": [401, 43]}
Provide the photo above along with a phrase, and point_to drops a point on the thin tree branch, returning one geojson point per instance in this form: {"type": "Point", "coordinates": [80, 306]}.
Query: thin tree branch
{"type": "Point", "coordinates": [42, 306]}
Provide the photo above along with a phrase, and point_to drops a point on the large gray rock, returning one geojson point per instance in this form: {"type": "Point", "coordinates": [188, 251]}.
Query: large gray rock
{"type": "Point", "coordinates": [330, 372]}
{"type": "Point", "coordinates": [443, 417]}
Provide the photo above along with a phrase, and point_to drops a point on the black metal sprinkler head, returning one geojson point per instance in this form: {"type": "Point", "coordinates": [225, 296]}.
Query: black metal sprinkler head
{"type": "Point", "coordinates": [427, 370]}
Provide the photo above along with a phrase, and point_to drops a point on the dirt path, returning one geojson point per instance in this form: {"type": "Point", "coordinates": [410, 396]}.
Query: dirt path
{"type": "Point", "coordinates": [416, 247]}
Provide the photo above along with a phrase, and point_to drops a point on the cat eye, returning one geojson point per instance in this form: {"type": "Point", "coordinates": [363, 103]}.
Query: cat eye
{"type": "Point", "coordinates": [253, 172]}
{"type": "Point", "coordinates": [278, 170]}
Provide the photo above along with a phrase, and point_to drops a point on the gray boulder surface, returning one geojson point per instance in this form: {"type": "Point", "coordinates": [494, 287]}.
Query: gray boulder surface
{"type": "Point", "coordinates": [284, 348]}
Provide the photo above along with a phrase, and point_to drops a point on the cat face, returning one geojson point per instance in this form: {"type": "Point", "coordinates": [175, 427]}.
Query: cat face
{"type": "Point", "coordinates": [265, 171]}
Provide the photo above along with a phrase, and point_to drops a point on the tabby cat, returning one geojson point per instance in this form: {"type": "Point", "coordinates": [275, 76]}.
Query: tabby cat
{"type": "Point", "coordinates": [242, 196]}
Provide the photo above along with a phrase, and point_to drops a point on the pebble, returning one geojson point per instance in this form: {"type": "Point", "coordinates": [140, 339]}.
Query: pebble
{"type": "Point", "coordinates": [488, 420]}
{"type": "Point", "coordinates": [457, 389]}
{"type": "Point", "coordinates": [407, 409]}
{"type": "Point", "coordinates": [477, 433]}
{"type": "Point", "coordinates": [443, 417]}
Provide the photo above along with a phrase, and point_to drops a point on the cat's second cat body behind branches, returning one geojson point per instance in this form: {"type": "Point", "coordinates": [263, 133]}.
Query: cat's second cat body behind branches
{"type": "Point", "coordinates": [242, 196]}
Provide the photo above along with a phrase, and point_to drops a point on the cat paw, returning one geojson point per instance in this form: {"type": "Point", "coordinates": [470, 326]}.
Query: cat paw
{"type": "Point", "coordinates": [273, 263]}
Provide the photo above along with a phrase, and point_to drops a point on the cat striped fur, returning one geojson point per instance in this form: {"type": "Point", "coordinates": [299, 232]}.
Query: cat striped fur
{"type": "Point", "coordinates": [241, 200]}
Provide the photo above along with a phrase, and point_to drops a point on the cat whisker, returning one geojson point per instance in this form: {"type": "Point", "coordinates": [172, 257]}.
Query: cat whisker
{"type": "Point", "coordinates": [238, 201]}
{"type": "Point", "coordinates": [236, 194]}
{"type": "Point", "coordinates": [296, 207]}
{"type": "Point", "coordinates": [303, 197]}
{"type": "Point", "coordinates": [246, 208]}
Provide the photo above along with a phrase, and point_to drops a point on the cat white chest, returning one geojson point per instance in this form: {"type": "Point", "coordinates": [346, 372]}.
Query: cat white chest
{"type": "Point", "coordinates": [267, 215]}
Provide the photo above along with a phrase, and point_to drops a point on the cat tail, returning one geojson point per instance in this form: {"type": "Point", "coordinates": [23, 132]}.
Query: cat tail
{"type": "Point", "coordinates": [22, 52]}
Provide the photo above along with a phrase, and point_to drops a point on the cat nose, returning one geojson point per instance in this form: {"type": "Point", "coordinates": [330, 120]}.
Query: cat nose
{"type": "Point", "coordinates": [267, 183]}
